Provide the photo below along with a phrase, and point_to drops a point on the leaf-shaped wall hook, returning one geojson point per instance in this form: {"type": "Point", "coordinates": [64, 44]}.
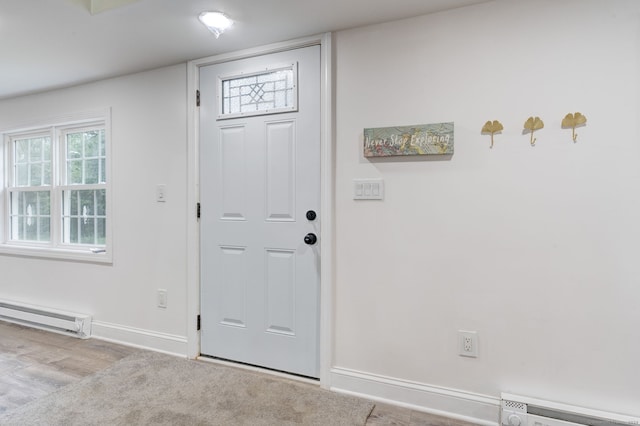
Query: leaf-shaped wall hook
{"type": "Point", "coordinates": [572, 121]}
{"type": "Point", "coordinates": [492, 127]}
{"type": "Point", "coordinates": [532, 124]}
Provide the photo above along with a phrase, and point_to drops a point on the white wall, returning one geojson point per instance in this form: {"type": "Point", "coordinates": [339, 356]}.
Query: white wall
{"type": "Point", "coordinates": [535, 248]}
{"type": "Point", "coordinates": [148, 113]}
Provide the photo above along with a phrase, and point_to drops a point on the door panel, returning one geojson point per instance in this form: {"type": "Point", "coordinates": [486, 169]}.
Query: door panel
{"type": "Point", "coordinates": [232, 170]}
{"type": "Point", "coordinates": [281, 171]}
{"type": "Point", "coordinates": [233, 286]}
{"type": "Point", "coordinates": [259, 174]}
{"type": "Point", "coordinates": [280, 303]}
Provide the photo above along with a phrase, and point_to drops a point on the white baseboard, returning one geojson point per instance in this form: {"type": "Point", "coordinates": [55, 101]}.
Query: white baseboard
{"type": "Point", "coordinates": [160, 342]}
{"type": "Point", "coordinates": [467, 406]}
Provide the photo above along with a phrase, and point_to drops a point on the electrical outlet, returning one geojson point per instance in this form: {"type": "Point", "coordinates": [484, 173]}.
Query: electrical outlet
{"type": "Point", "coordinates": [468, 343]}
{"type": "Point", "coordinates": [162, 298]}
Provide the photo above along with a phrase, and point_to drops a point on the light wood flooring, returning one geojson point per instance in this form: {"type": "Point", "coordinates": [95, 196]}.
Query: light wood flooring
{"type": "Point", "coordinates": [34, 363]}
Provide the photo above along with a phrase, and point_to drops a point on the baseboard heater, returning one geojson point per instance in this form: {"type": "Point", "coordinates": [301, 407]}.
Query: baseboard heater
{"type": "Point", "coordinates": [526, 411]}
{"type": "Point", "coordinates": [70, 323]}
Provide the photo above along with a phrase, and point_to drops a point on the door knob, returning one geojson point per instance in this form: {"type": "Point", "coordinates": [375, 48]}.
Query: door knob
{"type": "Point", "coordinates": [311, 215]}
{"type": "Point", "coordinates": [310, 239]}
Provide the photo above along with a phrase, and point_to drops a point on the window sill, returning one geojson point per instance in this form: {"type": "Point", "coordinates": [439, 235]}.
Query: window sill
{"type": "Point", "coordinates": [57, 254]}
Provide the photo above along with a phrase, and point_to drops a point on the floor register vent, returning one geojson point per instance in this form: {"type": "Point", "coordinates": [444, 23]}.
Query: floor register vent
{"type": "Point", "coordinates": [70, 323]}
{"type": "Point", "coordinates": [525, 411]}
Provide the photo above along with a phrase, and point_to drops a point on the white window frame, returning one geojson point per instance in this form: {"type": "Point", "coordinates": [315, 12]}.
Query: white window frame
{"type": "Point", "coordinates": [56, 248]}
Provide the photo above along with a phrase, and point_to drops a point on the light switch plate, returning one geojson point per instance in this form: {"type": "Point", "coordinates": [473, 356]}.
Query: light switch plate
{"type": "Point", "coordinates": [368, 189]}
{"type": "Point", "coordinates": [162, 298]}
{"type": "Point", "coordinates": [161, 193]}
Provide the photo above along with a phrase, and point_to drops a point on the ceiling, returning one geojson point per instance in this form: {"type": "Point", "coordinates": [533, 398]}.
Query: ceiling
{"type": "Point", "coordinates": [46, 44]}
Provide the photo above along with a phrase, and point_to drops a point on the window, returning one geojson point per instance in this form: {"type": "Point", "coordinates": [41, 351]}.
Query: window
{"type": "Point", "coordinates": [268, 91]}
{"type": "Point", "coordinates": [55, 194]}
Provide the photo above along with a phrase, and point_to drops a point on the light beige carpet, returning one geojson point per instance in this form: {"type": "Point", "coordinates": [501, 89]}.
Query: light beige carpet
{"type": "Point", "coordinates": [150, 388]}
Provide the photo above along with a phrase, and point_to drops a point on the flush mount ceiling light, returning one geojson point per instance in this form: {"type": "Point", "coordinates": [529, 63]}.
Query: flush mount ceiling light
{"type": "Point", "coordinates": [216, 22]}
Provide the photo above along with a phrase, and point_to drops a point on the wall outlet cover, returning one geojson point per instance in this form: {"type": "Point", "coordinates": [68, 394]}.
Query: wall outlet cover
{"type": "Point", "coordinates": [468, 343]}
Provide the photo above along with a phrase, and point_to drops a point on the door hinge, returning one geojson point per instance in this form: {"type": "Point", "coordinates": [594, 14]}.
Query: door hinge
{"type": "Point", "coordinates": [198, 211]}
{"type": "Point", "coordinates": [198, 323]}
{"type": "Point", "coordinates": [197, 98]}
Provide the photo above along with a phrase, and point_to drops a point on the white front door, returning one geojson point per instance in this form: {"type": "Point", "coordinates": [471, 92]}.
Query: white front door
{"type": "Point", "coordinates": [259, 190]}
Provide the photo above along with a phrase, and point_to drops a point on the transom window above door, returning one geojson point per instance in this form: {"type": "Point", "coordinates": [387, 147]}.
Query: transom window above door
{"type": "Point", "coordinates": [267, 91]}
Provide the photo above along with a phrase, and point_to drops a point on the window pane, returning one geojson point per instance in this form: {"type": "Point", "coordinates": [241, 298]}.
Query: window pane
{"type": "Point", "coordinates": [44, 203]}
{"type": "Point", "coordinates": [46, 150]}
{"type": "Point", "coordinates": [91, 171]}
{"type": "Point", "coordinates": [22, 151]}
{"type": "Point", "coordinates": [35, 150]}
{"type": "Point", "coordinates": [73, 203]}
{"type": "Point", "coordinates": [73, 238]}
{"type": "Point", "coordinates": [103, 171]}
{"type": "Point", "coordinates": [46, 161]}
{"type": "Point", "coordinates": [74, 145]}
{"type": "Point", "coordinates": [45, 232]}
{"type": "Point", "coordinates": [101, 231]}
{"type": "Point", "coordinates": [74, 172]}
{"type": "Point", "coordinates": [87, 227]}
{"type": "Point", "coordinates": [86, 201]}
{"type": "Point", "coordinates": [22, 175]}
{"type": "Point", "coordinates": [101, 203]}
{"type": "Point", "coordinates": [91, 144]}
{"type": "Point", "coordinates": [103, 148]}
{"type": "Point", "coordinates": [30, 231]}
{"type": "Point", "coordinates": [35, 174]}
{"type": "Point", "coordinates": [46, 173]}
{"type": "Point", "coordinates": [30, 215]}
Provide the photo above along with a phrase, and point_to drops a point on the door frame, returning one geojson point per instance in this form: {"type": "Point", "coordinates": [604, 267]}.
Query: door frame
{"type": "Point", "coordinates": [327, 180]}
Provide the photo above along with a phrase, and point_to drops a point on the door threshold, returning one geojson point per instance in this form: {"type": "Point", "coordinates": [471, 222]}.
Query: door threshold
{"type": "Point", "coordinates": [257, 369]}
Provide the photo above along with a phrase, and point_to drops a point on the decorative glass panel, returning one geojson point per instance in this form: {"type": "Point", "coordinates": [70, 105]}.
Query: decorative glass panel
{"type": "Point", "coordinates": [84, 218]}
{"type": "Point", "coordinates": [267, 92]}
{"type": "Point", "coordinates": [85, 157]}
{"type": "Point", "coordinates": [31, 215]}
{"type": "Point", "coordinates": [32, 161]}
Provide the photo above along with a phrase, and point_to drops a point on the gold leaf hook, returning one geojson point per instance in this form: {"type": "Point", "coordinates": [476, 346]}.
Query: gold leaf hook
{"type": "Point", "coordinates": [491, 128]}
{"type": "Point", "coordinates": [572, 121]}
{"type": "Point", "coordinates": [532, 124]}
